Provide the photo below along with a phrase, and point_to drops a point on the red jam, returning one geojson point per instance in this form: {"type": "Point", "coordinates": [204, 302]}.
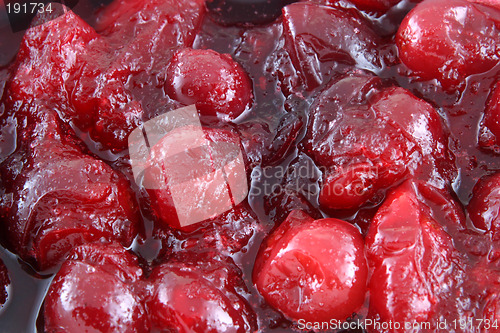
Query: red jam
{"type": "Point", "coordinates": [341, 172]}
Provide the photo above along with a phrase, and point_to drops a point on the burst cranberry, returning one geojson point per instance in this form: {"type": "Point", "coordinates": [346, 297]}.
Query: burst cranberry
{"type": "Point", "coordinates": [312, 269]}
{"type": "Point", "coordinates": [150, 31]}
{"type": "Point", "coordinates": [215, 82]}
{"type": "Point", "coordinates": [4, 283]}
{"type": "Point", "coordinates": [489, 133]}
{"type": "Point", "coordinates": [367, 138]}
{"type": "Point", "coordinates": [91, 78]}
{"type": "Point", "coordinates": [198, 295]}
{"type": "Point", "coordinates": [60, 62]}
{"type": "Point", "coordinates": [449, 40]}
{"type": "Point", "coordinates": [316, 35]}
{"type": "Point", "coordinates": [94, 292]}
{"type": "Point", "coordinates": [484, 207]}
{"type": "Point", "coordinates": [194, 174]}
{"type": "Point", "coordinates": [412, 259]}
{"type": "Point", "coordinates": [61, 197]}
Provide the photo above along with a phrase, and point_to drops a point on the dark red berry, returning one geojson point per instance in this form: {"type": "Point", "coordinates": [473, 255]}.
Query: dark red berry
{"type": "Point", "coordinates": [60, 196]}
{"type": "Point", "coordinates": [94, 291]}
{"type": "Point", "coordinates": [213, 81]}
{"type": "Point", "coordinates": [449, 40]}
{"type": "Point", "coordinates": [198, 295]}
{"type": "Point", "coordinates": [484, 206]}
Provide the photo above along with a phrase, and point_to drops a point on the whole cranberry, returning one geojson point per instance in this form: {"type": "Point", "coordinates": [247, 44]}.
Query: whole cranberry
{"type": "Point", "coordinates": [449, 40]}
{"type": "Point", "coordinates": [194, 294]}
{"type": "Point", "coordinates": [61, 196]}
{"type": "Point", "coordinates": [312, 269]}
{"type": "Point", "coordinates": [318, 37]}
{"type": "Point", "coordinates": [94, 292]}
{"type": "Point", "coordinates": [367, 138]}
{"type": "Point", "coordinates": [215, 82]}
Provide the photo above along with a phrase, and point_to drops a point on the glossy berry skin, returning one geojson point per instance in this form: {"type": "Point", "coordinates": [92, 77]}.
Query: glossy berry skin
{"type": "Point", "coordinates": [414, 265]}
{"type": "Point", "coordinates": [228, 232]}
{"type": "Point", "coordinates": [489, 131]}
{"type": "Point", "coordinates": [312, 269]}
{"type": "Point", "coordinates": [4, 283]}
{"type": "Point", "coordinates": [368, 138]}
{"type": "Point", "coordinates": [484, 206]}
{"type": "Point", "coordinates": [61, 197]}
{"type": "Point", "coordinates": [95, 78]}
{"type": "Point", "coordinates": [94, 291]}
{"type": "Point", "coordinates": [449, 40]}
{"type": "Point", "coordinates": [198, 174]}
{"type": "Point", "coordinates": [317, 37]}
{"type": "Point", "coordinates": [194, 294]}
{"type": "Point", "coordinates": [213, 81]}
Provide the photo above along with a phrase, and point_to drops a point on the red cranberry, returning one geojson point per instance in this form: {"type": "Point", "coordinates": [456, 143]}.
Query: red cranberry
{"type": "Point", "coordinates": [449, 40]}
{"type": "Point", "coordinates": [62, 197]}
{"type": "Point", "coordinates": [484, 207]}
{"type": "Point", "coordinates": [317, 34]}
{"type": "Point", "coordinates": [491, 313]}
{"type": "Point", "coordinates": [367, 139]}
{"type": "Point", "coordinates": [198, 295]}
{"type": "Point", "coordinates": [412, 259]}
{"type": "Point", "coordinates": [312, 269]}
{"type": "Point", "coordinates": [215, 82]}
{"type": "Point", "coordinates": [194, 174]}
{"type": "Point", "coordinates": [489, 133]}
{"type": "Point", "coordinates": [94, 292]}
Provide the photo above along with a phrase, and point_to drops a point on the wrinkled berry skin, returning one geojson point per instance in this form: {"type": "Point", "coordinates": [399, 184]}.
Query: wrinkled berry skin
{"type": "Point", "coordinates": [414, 266]}
{"type": "Point", "coordinates": [96, 79]}
{"type": "Point", "coordinates": [94, 291]}
{"type": "Point", "coordinates": [213, 81]}
{"type": "Point", "coordinates": [449, 40]}
{"type": "Point", "coordinates": [316, 37]}
{"type": "Point", "coordinates": [201, 182]}
{"type": "Point", "coordinates": [60, 196]}
{"type": "Point", "coordinates": [312, 269]}
{"type": "Point", "coordinates": [367, 138]}
{"type": "Point", "coordinates": [484, 206]}
{"type": "Point", "coordinates": [60, 63]}
{"type": "Point", "coordinates": [196, 294]}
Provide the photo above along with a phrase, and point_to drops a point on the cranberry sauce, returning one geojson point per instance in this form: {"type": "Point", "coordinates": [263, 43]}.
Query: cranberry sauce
{"type": "Point", "coordinates": [277, 125]}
